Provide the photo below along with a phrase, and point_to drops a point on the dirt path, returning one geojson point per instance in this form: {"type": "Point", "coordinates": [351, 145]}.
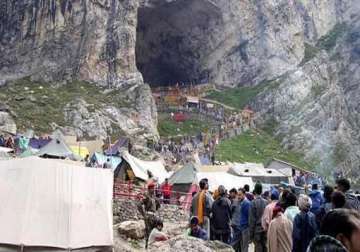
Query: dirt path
{"type": "Point", "coordinates": [219, 103]}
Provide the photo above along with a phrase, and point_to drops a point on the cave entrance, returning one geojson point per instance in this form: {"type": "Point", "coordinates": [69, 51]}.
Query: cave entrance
{"type": "Point", "coordinates": [172, 41]}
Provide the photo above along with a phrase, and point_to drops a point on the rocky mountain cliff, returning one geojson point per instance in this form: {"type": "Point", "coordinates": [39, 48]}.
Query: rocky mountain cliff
{"type": "Point", "coordinates": [309, 48]}
{"type": "Point", "coordinates": [62, 41]}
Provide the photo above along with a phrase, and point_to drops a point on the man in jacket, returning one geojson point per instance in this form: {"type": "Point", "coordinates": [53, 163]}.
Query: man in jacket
{"type": "Point", "coordinates": [316, 198]}
{"type": "Point", "coordinates": [343, 185]}
{"type": "Point", "coordinates": [148, 209]}
{"type": "Point", "coordinates": [221, 217]}
{"type": "Point", "coordinates": [166, 189]}
{"type": "Point", "coordinates": [257, 233]}
{"type": "Point", "coordinates": [201, 206]}
{"type": "Point", "coordinates": [304, 225]}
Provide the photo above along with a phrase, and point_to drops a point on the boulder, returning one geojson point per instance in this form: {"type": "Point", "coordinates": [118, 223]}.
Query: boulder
{"type": "Point", "coordinates": [7, 123]}
{"type": "Point", "coordinates": [190, 244]}
{"type": "Point", "coordinates": [132, 229]}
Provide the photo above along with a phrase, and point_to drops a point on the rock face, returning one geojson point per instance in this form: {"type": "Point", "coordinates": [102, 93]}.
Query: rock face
{"type": "Point", "coordinates": [62, 40]}
{"type": "Point", "coordinates": [94, 41]}
{"type": "Point", "coordinates": [315, 107]}
{"type": "Point", "coordinates": [190, 244]}
{"type": "Point", "coordinates": [132, 229]}
{"type": "Point", "coordinates": [311, 49]}
{"type": "Point", "coordinates": [228, 42]}
{"type": "Point", "coordinates": [127, 210]}
{"type": "Point", "coordinates": [7, 123]}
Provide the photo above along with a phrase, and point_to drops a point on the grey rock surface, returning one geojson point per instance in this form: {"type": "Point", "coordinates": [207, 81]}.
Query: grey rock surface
{"type": "Point", "coordinates": [185, 243]}
{"type": "Point", "coordinates": [132, 229]}
{"type": "Point", "coordinates": [7, 123]}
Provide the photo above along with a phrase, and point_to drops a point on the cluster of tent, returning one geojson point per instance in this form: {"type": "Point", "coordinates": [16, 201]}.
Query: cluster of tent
{"type": "Point", "coordinates": [230, 176]}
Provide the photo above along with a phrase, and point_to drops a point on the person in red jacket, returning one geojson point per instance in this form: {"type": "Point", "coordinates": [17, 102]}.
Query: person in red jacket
{"type": "Point", "coordinates": [166, 191]}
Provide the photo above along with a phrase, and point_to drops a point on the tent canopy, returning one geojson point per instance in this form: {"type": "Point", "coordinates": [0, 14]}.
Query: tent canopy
{"type": "Point", "coordinates": [4, 149]}
{"type": "Point", "coordinates": [185, 175]}
{"type": "Point", "coordinates": [115, 149]}
{"type": "Point", "coordinates": [254, 170]}
{"type": "Point", "coordinates": [228, 180]}
{"type": "Point", "coordinates": [192, 99]}
{"type": "Point", "coordinates": [80, 151]}
{"type": "Point", "coordinates": [57, 148]}
{"type": "Point", "coordinates": [49, 203]}
{"type": "Point", "coordinates": [29, 152]}
{"type": "Point", "coordinates": [141, 168]}
{"type": "Point", "coordinates": [100, 159]}
{"type": "Point", "coordinates": [4, 155]}
{"type": "Point", "coordinates": [38, 143]}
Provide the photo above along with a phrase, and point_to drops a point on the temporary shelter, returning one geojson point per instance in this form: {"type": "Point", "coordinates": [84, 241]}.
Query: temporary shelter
{"type": "Point", "coordinates": [47, 203]}
{"type": "Point", "coordinates": [4, 155]}
{"type": "Point", "coordinates": [99, 159]}
{"type": "Point", "coordinates": [214, 168]}
{"type": "Point", "coordinates": [7, 150]}
{"type": "Point", "coordinates": [183, 178]}
{"type": "Point", "coordinates": [38, 143]}
{"type": "Point", "coordinates": [286, 168]}
{"type": "Point", "coordinates": [29, 152]}
{"type": "Point", "coordinates": [80, 151]}
{"type": "Point", "coordinates": [57, 148]}
{"type": "Point", "coordinates": [223, 178]}
{"type": "Point", "coordinates": [120, 145]}
{"type": "Point", "coordinates": [132, 167]}
{"type": "Point", "coordinates": [192, 101]}
{"type": "Point", "coordinates": [258, 173]}
{"type": "Point", "coordinates": [91, 145]}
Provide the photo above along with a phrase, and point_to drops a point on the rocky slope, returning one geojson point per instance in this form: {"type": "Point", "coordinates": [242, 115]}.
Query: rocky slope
{"type": "Point", "coordinates": [61, 41]}
{"type": "Point", "coordinates": [315, 107]}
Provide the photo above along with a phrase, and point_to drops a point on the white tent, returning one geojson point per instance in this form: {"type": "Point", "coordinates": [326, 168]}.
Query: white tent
{"type": "Point", "coordinates": [226, 179]}
{"type": "Point", "coordinates": [258, 173]}
{"type": "Point", "coordinates": [53, 204]}
{"type": "Point", "coordinates": [254, 170]}
{"type": "Point", "coordinates": [141, 168]}
{"type": "Point", "coordinates": [7, 150]}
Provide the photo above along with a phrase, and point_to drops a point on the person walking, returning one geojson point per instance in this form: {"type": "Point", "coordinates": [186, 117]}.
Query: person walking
{"type": "Point", "coordinates": [148, 208]}
{"type": "Point", "coordinates": [292, 209]}
{"type": "Point", "coordinates": [343, 185]}
{"type": "Point", "coordinates": [257, 233]}
{"type": "Point", "coordinates": [240, 222]}
{"type": "Point", "coordinates": [268, 212]}
{"type": "Point", "coordinates": [201, 206]}
{"type": "Point", "coordinates": [221, 217]}
{"type": "Point", "coordinates": [326, 205]}
{"type": "Point", "coordinates": [166, 189]}
{"type": "Point", "coordinates": [305, 227]}
{"type": "Point", "coordinates": [316, 199]}
{"type": "Point", "coordinates": [280, 232]}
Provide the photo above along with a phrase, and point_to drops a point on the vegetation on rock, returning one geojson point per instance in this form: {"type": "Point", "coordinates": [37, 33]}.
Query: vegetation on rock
{"type": "Point", "coordinates": [328, 41]}
{"type": "Point", "coordinates": [257, 147]}
{"type": "Point", "coordinates": [37, 105]}
{"type": "Point", "coordinates": [240, 97]}
{"type": "Point", "coordinates": [168, 127]}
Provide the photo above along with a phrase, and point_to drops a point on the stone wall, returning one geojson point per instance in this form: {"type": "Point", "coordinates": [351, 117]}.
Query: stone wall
{"type": "Point", "coordinates": [126, 210]}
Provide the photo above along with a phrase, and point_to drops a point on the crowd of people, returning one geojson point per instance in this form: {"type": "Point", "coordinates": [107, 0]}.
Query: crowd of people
{"type": "Point", "coordinates": [280, 220]}
{"type": "Point", "coordinates": [277, 220]}
{"type": "Point", "coordinates": [203, 143]}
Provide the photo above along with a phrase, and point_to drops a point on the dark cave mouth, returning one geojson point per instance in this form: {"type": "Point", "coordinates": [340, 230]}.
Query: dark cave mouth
{"type": "Point", "coordinates": [168, 48]}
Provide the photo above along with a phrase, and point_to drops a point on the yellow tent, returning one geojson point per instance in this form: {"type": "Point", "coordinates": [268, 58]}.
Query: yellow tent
{"type": "Point", "coordinates": [80, 150]}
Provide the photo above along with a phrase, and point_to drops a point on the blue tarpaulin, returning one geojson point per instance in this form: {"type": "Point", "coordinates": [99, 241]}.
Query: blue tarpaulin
{"type": "Point", "coordinates": [114, 150]}
{"type": "Point", "coordinates": [100, 159]}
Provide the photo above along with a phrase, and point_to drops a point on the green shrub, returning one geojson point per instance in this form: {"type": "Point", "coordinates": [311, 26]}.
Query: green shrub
{"type": "Point", "coordinates": [328, 41]}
